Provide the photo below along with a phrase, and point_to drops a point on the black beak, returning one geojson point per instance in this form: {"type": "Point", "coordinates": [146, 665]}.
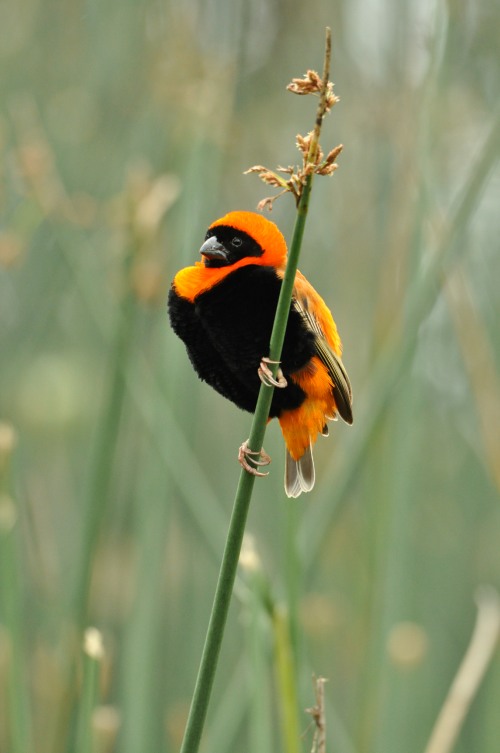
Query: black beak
{"type": "Point", "coordinates": [212, 250]}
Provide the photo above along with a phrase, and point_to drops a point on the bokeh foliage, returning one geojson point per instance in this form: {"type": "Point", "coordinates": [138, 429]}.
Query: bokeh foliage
{"type": "Point", "coordinates": [125, 129]}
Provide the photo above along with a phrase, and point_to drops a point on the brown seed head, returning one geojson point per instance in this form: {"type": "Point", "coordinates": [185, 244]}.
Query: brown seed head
{"type": "Point", "coordinates": [311, 83]}
{"type": "Point", "coordinates": [332, 156]}
{"type": "Point", "coordinates": [313, 159]}
{"type": "Point", "coordinates": [304, 143]}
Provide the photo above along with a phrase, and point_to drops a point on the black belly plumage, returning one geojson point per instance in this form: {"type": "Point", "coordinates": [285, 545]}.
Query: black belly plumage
{"type": "Point", "coordinates": [227, 357]}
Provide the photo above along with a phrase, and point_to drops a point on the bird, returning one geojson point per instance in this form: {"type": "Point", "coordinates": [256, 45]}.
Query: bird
{"type": "Point", "coordinates": [223, 309]}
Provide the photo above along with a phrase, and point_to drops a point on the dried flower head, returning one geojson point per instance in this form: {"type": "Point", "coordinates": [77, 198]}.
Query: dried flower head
{"type": "Point", "coordinates": [294, 183]}
{"type": "Point", "coordinates": [312, 83]}
{"type": "Point", "coordinates": [313, 159]}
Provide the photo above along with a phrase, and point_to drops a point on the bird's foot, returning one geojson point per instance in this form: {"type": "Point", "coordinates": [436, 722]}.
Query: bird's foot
{"type": "Point", "coordinates": [266, 375]}
{"type": "Point", "coordinates": [245, 455]}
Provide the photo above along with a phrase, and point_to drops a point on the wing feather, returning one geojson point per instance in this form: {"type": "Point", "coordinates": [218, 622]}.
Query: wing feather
{"type": "Point", "coordinates": [324, 350]}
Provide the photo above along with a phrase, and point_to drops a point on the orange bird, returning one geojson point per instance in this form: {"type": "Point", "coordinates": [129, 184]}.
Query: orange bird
{"type": "Point", "coordinates": [223, 309]}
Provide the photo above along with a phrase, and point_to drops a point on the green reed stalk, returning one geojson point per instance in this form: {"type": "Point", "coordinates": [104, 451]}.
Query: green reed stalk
{"type": "Point", "coordinates": [11, 600]}
{"type": "Point", "coordinates": [227, 573]}
{"type": "Point", "coordinates": [287, 681]}
{"type": "Point", "coordinates": [99, 484]}
{"type": "Point", "coordinates": [105, 446]}
{"type": "Point", "coordinates": [93, 655]}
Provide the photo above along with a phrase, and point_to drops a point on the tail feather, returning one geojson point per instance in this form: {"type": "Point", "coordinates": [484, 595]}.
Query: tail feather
{"type": "Point", "coordinates": [299, 474]}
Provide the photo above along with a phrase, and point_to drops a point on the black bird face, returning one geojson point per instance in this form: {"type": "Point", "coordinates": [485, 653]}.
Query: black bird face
{"type": "Point", "coordinates": [224, 245]}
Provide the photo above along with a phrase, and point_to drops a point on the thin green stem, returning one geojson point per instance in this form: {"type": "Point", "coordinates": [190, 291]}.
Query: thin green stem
{"type": "Point", "coordinates": [11, 600]}
{"type": "Point", "coordinates": [293, 573]}
{"type": "Point", "coordinates": [101, 474]}
{"type": "Point", "coordinates": [260, 726]}
{"type": "Point", "coordinates": [213, 641]}
{"type": "Point", "coordinates": [227, 574]}
{"type": "Point", "coordinates": [90, 690]}
{"type": "Point", "coordinates": [97, 496]}
{"type": "Point", "coordinates": [287, 680]}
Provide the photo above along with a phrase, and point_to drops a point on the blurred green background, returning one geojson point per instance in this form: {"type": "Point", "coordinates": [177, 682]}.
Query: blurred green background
{"type": "Point", "coordinates": [125, 129]}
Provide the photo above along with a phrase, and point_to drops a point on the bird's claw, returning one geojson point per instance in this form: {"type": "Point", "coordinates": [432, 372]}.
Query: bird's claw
{"type": "Point", "coordinates": [266, 375]}
{"type": "Point", "coordinates": [245, 454]}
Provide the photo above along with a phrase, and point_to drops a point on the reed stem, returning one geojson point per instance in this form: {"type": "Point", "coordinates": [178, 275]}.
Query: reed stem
{"type": "Point", "coordinates": [227, 574]}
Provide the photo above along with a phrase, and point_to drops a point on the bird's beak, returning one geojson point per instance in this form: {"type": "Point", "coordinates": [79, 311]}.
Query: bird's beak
{"type": "Point", "coordinates": [212, 250]}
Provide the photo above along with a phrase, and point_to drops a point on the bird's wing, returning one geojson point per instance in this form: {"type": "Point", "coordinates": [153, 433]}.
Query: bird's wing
{"type": "Point", "coordinates": [318, 320]}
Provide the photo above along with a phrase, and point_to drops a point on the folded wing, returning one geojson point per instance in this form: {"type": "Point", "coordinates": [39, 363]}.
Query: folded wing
{"type": "Point", "coordinates": [318, 319]}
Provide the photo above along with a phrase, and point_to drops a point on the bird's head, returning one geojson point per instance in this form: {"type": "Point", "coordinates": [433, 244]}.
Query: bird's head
{"type": "Point", "coordinates": [241, 238]}
{"type": "Point", "coordinates": [236, 240]}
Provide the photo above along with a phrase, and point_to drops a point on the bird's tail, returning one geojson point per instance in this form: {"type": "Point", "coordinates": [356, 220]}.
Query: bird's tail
{"type": "Point", "coordinates": [299, 474]}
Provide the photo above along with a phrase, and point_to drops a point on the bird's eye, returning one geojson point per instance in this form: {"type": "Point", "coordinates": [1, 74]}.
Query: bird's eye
{"type": "Point", "coordinates": [236, 242]}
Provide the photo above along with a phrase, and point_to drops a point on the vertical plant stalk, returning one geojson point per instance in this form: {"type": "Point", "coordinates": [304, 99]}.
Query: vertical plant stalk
{"type": "Point", "coordinates": [11, 599]}
{"type": "Point", "coordinates": [227, 573]}
{"type": "Point", "coordinates": [286, 677]}
{"type": "Point", "coordinates": [284, 661]}
{"type": "Point", "coordinates": [318, 716]}
{"type": "Point", "coordinates": [293, 574]}
{"type": "Point", "coordinates": [99, 485]}
{"type": "Point", "coordinates": [93, 655]}
{"type": "Point", "coordinates": [97, 495]}
{"type": "Point", "coordinates": [476, 661]}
